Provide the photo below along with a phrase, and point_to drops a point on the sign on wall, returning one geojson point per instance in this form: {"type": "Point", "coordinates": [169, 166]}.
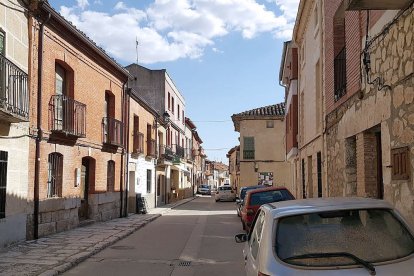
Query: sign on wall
{"type": "Point", "coordinates": [265, 178]}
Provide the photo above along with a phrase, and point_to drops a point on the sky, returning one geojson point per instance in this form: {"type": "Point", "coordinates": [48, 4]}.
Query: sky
{"type": "Point", "coordinates": [223, 55]}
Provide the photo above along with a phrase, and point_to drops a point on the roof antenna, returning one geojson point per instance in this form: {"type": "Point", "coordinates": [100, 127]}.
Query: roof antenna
{"type": "Point", "coordinates": [136, 47]}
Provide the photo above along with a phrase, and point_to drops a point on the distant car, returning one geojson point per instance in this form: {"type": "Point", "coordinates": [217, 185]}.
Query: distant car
{"type": "Point", "coordinates": [242, 194]}
{"type": "Point", "coordinates": [225, 193]}
{"type": "Point", "coordinates": [331, 236]}
{"type": "Point", "coordinates": [204, 189]}
{"type": "Point", "coordinates": [257, 197]}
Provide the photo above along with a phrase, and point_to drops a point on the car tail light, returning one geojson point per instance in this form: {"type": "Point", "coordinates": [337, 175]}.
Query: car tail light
{"type": "Point", "coordinates": [262, 274]}
{"type": "Point", "coordinates": [250, 212]}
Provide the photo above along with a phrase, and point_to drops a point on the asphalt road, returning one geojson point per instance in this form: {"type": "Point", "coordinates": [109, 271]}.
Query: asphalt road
{"type": "Point", "coordinates": [196, 238]}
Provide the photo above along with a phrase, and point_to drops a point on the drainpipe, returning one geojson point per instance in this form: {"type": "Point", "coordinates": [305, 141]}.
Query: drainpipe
{"type": "Point", "coordinates": [122, 176]}
{"type": "Point", "coordinates": [39, 129]}
{"type": "Point", "coordinates": [128, 101]}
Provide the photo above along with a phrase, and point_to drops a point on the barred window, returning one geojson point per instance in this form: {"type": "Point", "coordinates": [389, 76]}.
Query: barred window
{"type": "Point", "coordinates": [149, 182]}
{"type": "Point", "coordinates": [55, 169]}
{"type": "Point", "coordinates": [248, 151]}
{"type": "Point", "coordinates": [2, 43]}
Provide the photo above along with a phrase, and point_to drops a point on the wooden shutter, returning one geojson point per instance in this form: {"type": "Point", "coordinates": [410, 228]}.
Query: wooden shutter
{"type": "Point", "coordinates": [400, 163]}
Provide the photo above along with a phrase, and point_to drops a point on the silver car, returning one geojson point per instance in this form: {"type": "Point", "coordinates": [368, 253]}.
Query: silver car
{"type": "Point", "coordinates": [331, 236]}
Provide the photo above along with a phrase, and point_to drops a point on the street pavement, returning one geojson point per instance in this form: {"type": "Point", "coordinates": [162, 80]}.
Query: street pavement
{"type": "Point", "coordinates": [57, 253]}
{"type": "Point", "coordinates": [196, 238]}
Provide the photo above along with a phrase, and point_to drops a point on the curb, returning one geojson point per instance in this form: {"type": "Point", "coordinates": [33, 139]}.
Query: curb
{"type": "Point", "coordinates": [82, 256]}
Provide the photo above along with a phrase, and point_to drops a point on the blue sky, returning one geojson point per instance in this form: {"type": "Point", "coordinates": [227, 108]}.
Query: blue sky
{"type": "Point", "coordinates": [223, 55]}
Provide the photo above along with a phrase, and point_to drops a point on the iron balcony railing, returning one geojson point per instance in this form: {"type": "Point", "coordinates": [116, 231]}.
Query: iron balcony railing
{"type": "Point", "coordinates": [340, 74]}
{"type": "Point", "coordinates": [67, 116]}
{"type": "Point", "coordinates": [14, 96]}
{"type": "Point", "coordinates": [151, 149]}
{"type": "Point", "coordinates": [112, 131]}
{"type": "Point", "coordinates": [179, 151]}
{"type": "Point", "coordinates": [138, 142]}
{"type": "Point", "coordinates": [166, 152]}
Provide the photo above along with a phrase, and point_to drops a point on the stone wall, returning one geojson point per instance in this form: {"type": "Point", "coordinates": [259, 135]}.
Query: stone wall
{"type": "Point", "coordinates": [384, 106]}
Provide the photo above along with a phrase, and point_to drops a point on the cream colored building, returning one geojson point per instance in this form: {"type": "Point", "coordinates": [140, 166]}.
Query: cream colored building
{"type": "Point", "coordinates": [262, 147]}
{"type": "Point", "coordinates": [234, 167]}
{"type": "Point", "coordinates": [14, 126]}
{"type": "Point", "coordinates": [310, 175]}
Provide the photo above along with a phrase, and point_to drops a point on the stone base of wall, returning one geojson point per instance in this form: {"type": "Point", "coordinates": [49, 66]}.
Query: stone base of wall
{"type": "Point", "coordinates": [57, 215]}
{"type": "Point", "coordinates": [12, 229]}
{"type": "Point", "coordinates": [105, 206]}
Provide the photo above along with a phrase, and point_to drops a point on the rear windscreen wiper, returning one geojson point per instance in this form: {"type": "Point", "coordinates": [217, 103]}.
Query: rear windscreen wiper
{"type": "Point", "coordinates": [366, 264]}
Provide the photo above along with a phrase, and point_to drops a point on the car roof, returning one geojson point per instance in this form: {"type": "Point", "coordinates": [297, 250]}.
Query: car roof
{"type": "Point", "coordinates": [303, 206]}
{"type": "Point", "coordinates": [266, 189]}
{"type": "Point", "coordinates": [253, 187]}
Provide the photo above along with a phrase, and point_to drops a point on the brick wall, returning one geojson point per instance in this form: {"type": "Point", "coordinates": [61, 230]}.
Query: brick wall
{"type": "Point", "coordinates": [353, 50]}
{"type": "Point", "coordinates": [92, 77]}
{"type": "Point", "coordinates": [366, 164]}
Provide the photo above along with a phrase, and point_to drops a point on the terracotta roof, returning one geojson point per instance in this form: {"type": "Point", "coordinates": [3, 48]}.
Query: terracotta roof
{"type": "Point", "coordinates": [270, 110]}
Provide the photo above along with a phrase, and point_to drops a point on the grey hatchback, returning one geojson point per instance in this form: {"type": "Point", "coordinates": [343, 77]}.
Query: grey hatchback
{"type": "Point", "coordinates": [332, 236]}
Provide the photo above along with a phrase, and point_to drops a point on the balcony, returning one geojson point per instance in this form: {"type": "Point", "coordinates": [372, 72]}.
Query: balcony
{"type": "Point", "coordinates": [14, 97]}
{"type": "Point", "coordinates": [166, 153]}
{"type": "Point", "coordinates": [67, 116]}
{"type": "Point", "coordinates": [377, 5]}
{"type": "Point", "coordinates": [112, 131]}
{"type": "Point", "coordinates": [340, 74]}
{"type": "Point", "coordinates": [138, 146]}
{"type": "Point", "coordinates": [179, 151]}
{"type": "Point", "coordinates": [151, 148]}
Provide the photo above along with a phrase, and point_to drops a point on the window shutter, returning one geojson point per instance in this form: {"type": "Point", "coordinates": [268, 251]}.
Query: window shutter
{"type": "Point", "coordinates": [400, 163]}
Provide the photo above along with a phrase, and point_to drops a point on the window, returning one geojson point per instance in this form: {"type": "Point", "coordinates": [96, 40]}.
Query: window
{"type": "Point", "coordinates": [178, 112]}
{"type": "Point", "coordinates": [183, 118]}
{"type": "Point", "coordinates": [248, 151]}
{"type": "Point", "coordinates": [270, 124]}
{"type": "Point", "coordinates": [55, 168]}
{"type": "Point", "coordinates": [257, 235]}
{"type": "Point", "coordinates": [339, 54]}
{"type": "Point", "coordinates": [149, 182]}
{"type": "Point", "coordinates": [400, 163]}
{"type": "Point", "coordinates": [3, 182]}
{"type": "Point", "coordinates": [169, 101]}
{"type": "Point", "coordinates": [172, 105]}
{"type": "Point", "coordinates": [2, 43]}
{"type": "Point", "coordinates": [159, 186]}
{"type": "Point", "coordinates": [110, 173]}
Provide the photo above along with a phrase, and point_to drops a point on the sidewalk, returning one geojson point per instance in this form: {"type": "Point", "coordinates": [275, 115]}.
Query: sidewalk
{"type": "Point", "coordinates": [59, 252]}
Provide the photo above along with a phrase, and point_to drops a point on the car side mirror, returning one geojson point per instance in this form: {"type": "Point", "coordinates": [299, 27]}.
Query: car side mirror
{"type": "Point", "coordinates": [238, 201]}
{"type": "Point", "coordinates": [240, 238]}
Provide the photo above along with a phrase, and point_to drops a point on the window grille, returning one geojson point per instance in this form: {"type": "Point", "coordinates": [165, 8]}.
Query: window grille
{"type": "Point", "coordinates": [55, 168]}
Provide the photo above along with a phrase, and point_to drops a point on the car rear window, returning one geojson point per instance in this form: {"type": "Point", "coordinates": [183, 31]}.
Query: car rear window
{"type": "Point", "coordinates": [373, 235]}
{"type": "Point", "coordinates": [204, 186]}
{"type": "Point", "coordinates": [269, 196]}
{"type": "Point", "coordinates": [224, 188]}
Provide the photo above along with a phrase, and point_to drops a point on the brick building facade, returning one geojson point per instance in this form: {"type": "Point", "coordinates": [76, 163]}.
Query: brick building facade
{"type": "Point", "coordinates": [76, 161]}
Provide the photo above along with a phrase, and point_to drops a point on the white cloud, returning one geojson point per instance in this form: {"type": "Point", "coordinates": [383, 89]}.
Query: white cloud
{"type": "Point", "coordinates": [174, 29]}
{"type": "Point", "coordinates": [83, 4]}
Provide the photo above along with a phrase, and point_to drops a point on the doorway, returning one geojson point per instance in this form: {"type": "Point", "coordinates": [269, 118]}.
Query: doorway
{"type": "Point", "coordinates": [86, 186]}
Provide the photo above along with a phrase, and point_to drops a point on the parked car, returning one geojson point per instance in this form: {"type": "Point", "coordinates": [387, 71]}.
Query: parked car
{"type": "Point", "coordinates": [204, 189]}
{"type": "Point", "coordinates": [331, 236]}
{"type": "Point", "coordinates": [257, 197]}
{"type": "Point", "coordinates": [225, 193]}
{"type": "Point", "coordinates": [242, 194]}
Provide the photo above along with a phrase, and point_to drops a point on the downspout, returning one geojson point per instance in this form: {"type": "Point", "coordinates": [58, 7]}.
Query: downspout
{"type": "Point", "coordinates": [155, 160]}
{"type": "Point", "coordinates": [39, 130]}
{"type": "Point", "coordinates": [127, 152]}
{"type": "Point", "coordinates": [122, 177]}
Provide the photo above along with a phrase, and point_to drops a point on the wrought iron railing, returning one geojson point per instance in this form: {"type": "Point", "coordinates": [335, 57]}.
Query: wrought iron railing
{"type": "Point", "coordinates": [151, 148]}
{"type": "Point", "coordinates": [179, 151]}
{"type": "Point", "coordinates": [112, 131]}
{"type": "Point", "coordinates": [138, 142]}
{"type": "Point", "coordinates": [14, 96]}
{"type": "Point", "coordinates": [340, 74]}
{"type": "Point", "coordinates": [67, 116]}
{"type": "Point", "coordinates": [166, 152]}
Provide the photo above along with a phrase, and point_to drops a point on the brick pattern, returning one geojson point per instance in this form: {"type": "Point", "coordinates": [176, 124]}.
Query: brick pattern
{"type": "Point", "coordinates": [91, 79]}
{"type": "Point", "coordinates": [366, 164]}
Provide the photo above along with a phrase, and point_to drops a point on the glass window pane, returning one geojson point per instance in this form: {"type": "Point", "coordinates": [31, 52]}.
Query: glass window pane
{"type": "Point", "coordinates": [2, 43]}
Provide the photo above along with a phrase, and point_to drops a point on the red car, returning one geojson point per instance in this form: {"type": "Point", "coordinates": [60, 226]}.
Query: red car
{"type": "Point", "coordinates": [256, 198]}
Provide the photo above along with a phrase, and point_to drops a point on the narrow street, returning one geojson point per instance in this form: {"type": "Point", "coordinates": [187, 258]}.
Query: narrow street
{"type": "Point", "coordinates": [196, 238]}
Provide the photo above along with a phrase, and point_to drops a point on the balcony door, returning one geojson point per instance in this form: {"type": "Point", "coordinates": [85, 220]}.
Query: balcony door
{"type": "Point", "coordinates": [61, 107]}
